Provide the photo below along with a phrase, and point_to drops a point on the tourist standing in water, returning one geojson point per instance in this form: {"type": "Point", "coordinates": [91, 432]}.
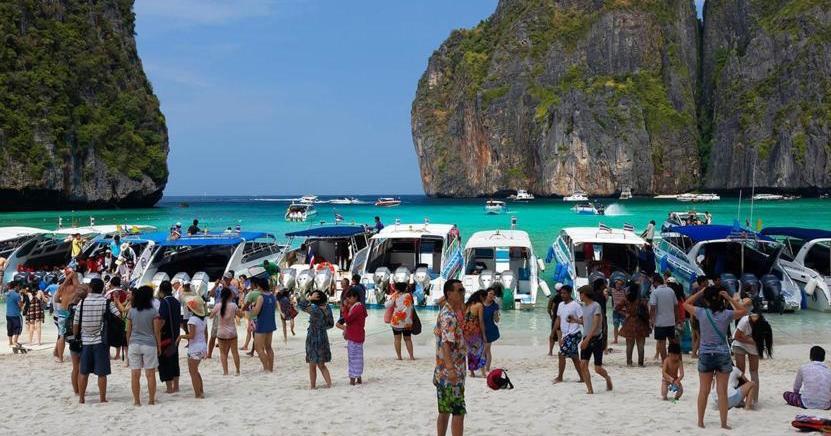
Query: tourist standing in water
{"type": "Point", "coordinates": [144, 329]}
{"type": "Point", "coordinates": [170, 314]}
{"type": "Point", "coordinates": [592, 343]}
{"type": "Point", "coordinates": [354, 332]}
{"type": "Point", "coordinates": [318, 351]}
{"type": "Point", "coordinates": [449, 374]}
{"type": "Point", "coordinates": [474, 328]}
{"type": "Point", "coordinates": [751, 340]}
{"type": "Point", "coordinates": [491, 316]}
{"type": "Point", "coordinates": [714, 352]}
{"type": "Point", "coordinates": [264, 310]}
{"type": "Point", "coordinates": [568, 330]}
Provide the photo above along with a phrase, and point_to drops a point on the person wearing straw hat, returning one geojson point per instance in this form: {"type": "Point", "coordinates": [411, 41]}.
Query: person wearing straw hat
{"type": "Point", "coordinates": [197, 343]}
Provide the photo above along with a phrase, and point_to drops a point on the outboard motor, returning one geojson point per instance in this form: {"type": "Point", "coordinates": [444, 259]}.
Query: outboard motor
{"type": "Point", "coordinates": [755, 285]}
{"type": "Point", "coordinates": [508, 282]}
{"type": "Point", "coordinates": [595, 276]}
{"type": "Point", "coordinates": [772, 291]}
{"type": "Point", "coordinates": [323, 280]}
{"type": "Point", "coordinates": [158, 278]}
{"type": "Point", "coordinates": [305, 281]}
{"type": "Point", "coordinates": [486, 279]}
{"type": "Point", "coordinates": [618, 275]}
{"type": "Point", "coordinates": [421, 278]}
{"type": "Point", "coordinates": [400, 278]}
{"type": "Point", "coordinates": [200, 283]}
{"type": "Point", "coordinates": [180, 277]}
{"type": "Point", "coordinates": [381, 278]}
{"type": "Point", "coordinates": [288, 279]}
{"type": "Point", "coordinates": [730, 283]}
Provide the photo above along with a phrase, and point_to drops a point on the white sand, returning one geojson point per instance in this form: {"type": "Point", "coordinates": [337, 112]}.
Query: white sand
{"type": "Point", "coordinates": [397, 397]}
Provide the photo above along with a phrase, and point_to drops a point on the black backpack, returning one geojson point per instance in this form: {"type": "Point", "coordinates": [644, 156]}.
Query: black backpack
{"type": "Point", "coordinates": [114, 334]}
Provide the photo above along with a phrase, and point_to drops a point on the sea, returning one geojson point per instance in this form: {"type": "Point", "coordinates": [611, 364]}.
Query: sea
{"type": "Point", "coordinates": [541, 218]}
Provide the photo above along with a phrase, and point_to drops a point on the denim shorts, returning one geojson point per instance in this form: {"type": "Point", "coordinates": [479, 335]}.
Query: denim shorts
{"type": "Point", "coordinates": [617, 318]}
{"type": "Point", "coordinates": [95, 359]}
{"type": "Point", "coordinates": [715, 362]}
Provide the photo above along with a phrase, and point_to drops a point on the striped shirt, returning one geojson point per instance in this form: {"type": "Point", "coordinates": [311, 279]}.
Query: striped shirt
{"type": "Point", "coordinates": [92, 323]}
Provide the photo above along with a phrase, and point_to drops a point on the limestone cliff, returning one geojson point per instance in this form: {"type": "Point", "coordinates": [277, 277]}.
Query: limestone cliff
{"type": "Point", "coordinates": [552, 95]}
{"type": "Point", "coordinates": [79, 124]}
{"type": "Point", "coordinates": [767, 93]}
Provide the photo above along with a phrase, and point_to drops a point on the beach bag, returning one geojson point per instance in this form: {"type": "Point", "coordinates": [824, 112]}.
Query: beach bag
{"type": "Point", "coordinates": [416, 323]}
{"type": "Point", "coordinates": [806, 423]}
{"type": "Point", "coordinates": [498, 379]}
{"type": "Point", "coordinates": [388, 313]}
{"type": "Point", "coordinates": [114, 333]}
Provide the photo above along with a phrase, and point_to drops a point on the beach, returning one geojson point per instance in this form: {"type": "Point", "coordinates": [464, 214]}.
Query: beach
{"type": "Point", "coordinates": [398, 397]}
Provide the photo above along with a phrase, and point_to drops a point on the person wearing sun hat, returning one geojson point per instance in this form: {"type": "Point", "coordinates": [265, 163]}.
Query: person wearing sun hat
{"type": "Point", "coordinates": [318, 351]}
{"type": "Point", "coordinates": [197, 344]}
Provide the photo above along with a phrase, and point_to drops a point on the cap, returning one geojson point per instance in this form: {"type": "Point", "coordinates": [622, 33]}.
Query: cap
{"type": "Point", "coordinates": [178, 224]}
{"type": "Point", "coordinates": [228, 275]}
{"type": "Point", "coordinates": [558, 286]}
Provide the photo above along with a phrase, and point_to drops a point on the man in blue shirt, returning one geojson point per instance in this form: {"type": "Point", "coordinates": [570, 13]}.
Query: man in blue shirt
{"type": "Point", "coordinates": [378, 224]}
{"type": "Point", "coordinates": [13, 322]}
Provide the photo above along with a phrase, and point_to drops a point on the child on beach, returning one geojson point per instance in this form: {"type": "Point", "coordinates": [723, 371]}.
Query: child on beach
{"type": "Point", "coordinates": [672, 372]}
{"type": "Point", "coordinates": [318, 352]}
{"type": "Point", "coordinates": [352, 324]}
{"type": "Point", "coordinates": [197, 344]}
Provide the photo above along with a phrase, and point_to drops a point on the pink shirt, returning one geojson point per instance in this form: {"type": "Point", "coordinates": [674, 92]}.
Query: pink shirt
{"type": "Point", "coordinates": [227, 325]}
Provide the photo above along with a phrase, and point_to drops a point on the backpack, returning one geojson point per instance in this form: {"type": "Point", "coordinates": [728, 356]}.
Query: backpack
{"type": "Point", "coordinates": [114, 334]}
{"type": "Point", "coordinates": [498, 379]}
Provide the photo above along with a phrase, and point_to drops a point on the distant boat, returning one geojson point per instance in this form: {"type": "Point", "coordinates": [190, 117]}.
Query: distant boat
{"type": "Point", "coordinates": [308, 199]}
{"type": "Point", "coordinates": [697, 197]}
{"type": "Point", "coordinates": [494, 207]}
{"type": "Point", "coordinates": [345, 200]}
{"type": "Point", "coordinates": [666, 197]}
{"type": "Point", "coordinates": [589, 209]}
{"type": "Point", "coordinates": [576, 196]}
{"type": "Point", "coordinates": [626, 193]}
{"type": "Point", "coordinates": [521, 195]}
{"type": "Point", "coordinates": [768, 197]}
{"type": "Point", "coordinates": [387, 202]}
{"type": "Point", "coordinates": [300, 212]}
{"type": "Point", "coordinates": [184, 204]}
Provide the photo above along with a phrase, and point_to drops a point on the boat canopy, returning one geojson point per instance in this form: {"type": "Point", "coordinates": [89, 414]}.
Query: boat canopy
{"type": "Point", "coordinates": [498, 238]}
{"type": "Point", "coordinates": [329, 232]}
{"type": "Point", "coordinates": [211, 239]}
{"type": "Point", "coordinates": [796, 232]}
{"type": "Point", "coordinates": [8, 233]}
{"type": "Point", "coordinates": [594, 235]}
{"type": "Point", "coordinates": [715, 232]}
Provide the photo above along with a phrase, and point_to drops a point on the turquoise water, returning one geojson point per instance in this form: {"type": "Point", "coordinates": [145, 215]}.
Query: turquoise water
{"type": "Point", "coordinates": [542, 219]}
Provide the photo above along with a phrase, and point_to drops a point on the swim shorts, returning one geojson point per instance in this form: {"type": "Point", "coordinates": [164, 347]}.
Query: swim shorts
{"type": "Point", "coordinates": [451, 399]}
{"type": "Point", "coordinates": [571, 344]}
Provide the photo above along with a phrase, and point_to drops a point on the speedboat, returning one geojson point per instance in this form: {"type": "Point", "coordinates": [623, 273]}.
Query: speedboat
{"type": "Point", "coordinates": [521, 195]}
{"type": "Point", "coordinates": [626, 193]}
{"type": "Point", "coordinates": [576, 196]}
{"type": "Point", "coordinates": [308, 199]}
{"type": "Point", "coordinates": [666, 197]}
{"type": "Point", "coordinates": [505, 257]}
{"type": "Point", "coordinates": [52, 249]}
{"type": "Point", "coordinates": [13, 237]}
{"type": "Point", "coordinates": [336, 249]}
{"type": "Point", "coordinates": [494, 207]}
{"type": "Point", "coordinates": [736, 255]}
{"type": "Point", "coordinates": [589, 209]}
{"type": "Point", "coordinates": [387, 202]}
{"type": "Point", "coordinates": [211, 253]}
{"type": "Point", "coordinates": [768, 197]}
{"type": "Point", "coordinates": [688, 218]}
{"type": "Point", "coordinates": [806, 258]}
{"type": "Point", "coordinates": [300, 212]}
{"type": "Point", "coordinates": [686, 197]}
{"type": "Point", "coordinates": [431, 252]}
{"type": "Point", "coordinates": [345, 200]}
{"type": "Point", "coordinates": [706, 197]}
{"type": "Point", "coordinates": [583, 254]}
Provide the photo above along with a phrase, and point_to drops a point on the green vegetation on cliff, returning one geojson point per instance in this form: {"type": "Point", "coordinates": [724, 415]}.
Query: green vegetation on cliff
{"type": "Point", "coordinates": [71, 83]}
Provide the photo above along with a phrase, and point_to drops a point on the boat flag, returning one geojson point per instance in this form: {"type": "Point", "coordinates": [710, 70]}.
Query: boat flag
{"type": "Point", "coordinates": [604, 228]}
{"type": "Point", "coordinates": [628, 227]}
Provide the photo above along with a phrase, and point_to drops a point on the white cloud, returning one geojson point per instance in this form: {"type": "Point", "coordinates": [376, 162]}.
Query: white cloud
{"type": "Point", "coordinates": [176, 74]}
{"type": "Point", "coordinates": [204, 12]}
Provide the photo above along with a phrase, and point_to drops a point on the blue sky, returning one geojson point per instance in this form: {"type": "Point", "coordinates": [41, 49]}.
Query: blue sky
{"type": "Point", "coordinates": [293, 96]}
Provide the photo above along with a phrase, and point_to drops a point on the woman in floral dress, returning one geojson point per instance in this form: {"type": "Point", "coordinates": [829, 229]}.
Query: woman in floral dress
{"type": "Point", "coordinates": [474, 331]}
{"type": "Point", "coordinates": [318, 352]}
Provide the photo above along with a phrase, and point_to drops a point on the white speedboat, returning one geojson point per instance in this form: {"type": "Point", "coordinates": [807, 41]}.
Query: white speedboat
{"type": "Point", "coordinates": [521, 195]}
{"type": "Point", "coordinates": [686, 197]}
{"type": "Point", "coordinates": [335, 248]}
{"type": "Point", "coordinates": [494, 207]}
{"type": "Point", "coordinates": [308, 199]}
{"type": "Point", "coordinates": [589, 208]}
{"type": "Point", "coordinates": [626, 193]}
{"type": "Point", "coordinates": [429, 251]}
{"type": "Point", "coordinates": [735, 254]}
{"type": "Point", "coordinates": [768, 197]}
{"type": "Point", "coordinates": [300, 212]}
{"type": "Point", "coordinates": [666, 197]}
{"type": "Point", "coordinates": [211, 253]}
{"type": "Point", "coordinates": [13, 237]}
{"type": "Point", "coordinates": [583, 252]}
{"type": "Point", "coordinates": [806, 258]}
{"type": "Point", "coordinates": [576, 196]}
{"type": "Point", "coordinates": [387, 202]}
{"type": "Point", "coordinates": [685, 218]}
{"type": "Point", "coordinates": [345, 200]}
{"type": "Point", "coordinates": [706, 197]}
{"type": "Point", "coordinates": [505, 257]}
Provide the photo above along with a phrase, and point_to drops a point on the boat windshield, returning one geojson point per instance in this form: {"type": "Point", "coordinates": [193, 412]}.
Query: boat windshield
{"type": "Point", "coordinates": [332, 250]}
{"type": "Point", "coordinates": [738, 257]}
{"type": "Point", "coordinates": [411, 253]}
{"type": "Point", "coordinates": [212, 259]}
{"type": "Point", "coordinates": [606, 258]}
{"type": "Point", "coordinates": [480, 259]}
{"type": "Point", "coordinates": [818, 258]}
